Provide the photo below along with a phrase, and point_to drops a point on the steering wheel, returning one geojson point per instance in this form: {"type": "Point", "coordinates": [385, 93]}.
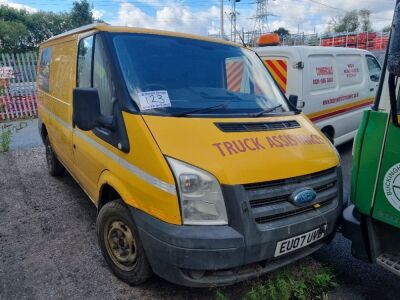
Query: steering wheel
{"type": "Point", "coordinates": [154, 87]}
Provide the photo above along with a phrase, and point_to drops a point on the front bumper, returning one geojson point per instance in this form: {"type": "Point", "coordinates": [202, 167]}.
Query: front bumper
{"type": "Point", "coordinates": [202, 256]}
{"type": "Point", "coordinates": [260, 215]}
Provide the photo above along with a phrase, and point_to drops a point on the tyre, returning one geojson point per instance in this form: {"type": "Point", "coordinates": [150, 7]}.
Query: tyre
{"type": "Point", "coordinates": [53, 164]}
{"type": "Point", "coordinates": [120, 243]}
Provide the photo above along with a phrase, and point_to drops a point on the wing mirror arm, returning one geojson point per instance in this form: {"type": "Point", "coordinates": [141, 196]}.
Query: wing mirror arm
{"type": "Point", "coordinates": [393, 102]}
{"type": "Point", "coordinates": [107, 122]}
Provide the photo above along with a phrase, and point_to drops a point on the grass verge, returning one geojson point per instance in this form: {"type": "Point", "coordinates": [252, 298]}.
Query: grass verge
{"type": "Point", "coordinates": [307, 279]}
{"type": "Point", "coordinates": [5, 139]}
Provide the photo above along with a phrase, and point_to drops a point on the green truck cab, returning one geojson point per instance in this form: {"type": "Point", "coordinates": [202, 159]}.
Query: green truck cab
{"type": "Point", "coordinates": [372, 221]}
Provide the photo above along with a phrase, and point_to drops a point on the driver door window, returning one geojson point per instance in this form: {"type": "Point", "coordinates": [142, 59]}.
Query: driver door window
{"type": "Point", "coordinates": [94, 71]}
{"type": "Point", "coordinates": [102, 78]}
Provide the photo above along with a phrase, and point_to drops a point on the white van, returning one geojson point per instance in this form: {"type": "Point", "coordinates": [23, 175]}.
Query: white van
{"type": "Point", "coordinates": [333, 85]}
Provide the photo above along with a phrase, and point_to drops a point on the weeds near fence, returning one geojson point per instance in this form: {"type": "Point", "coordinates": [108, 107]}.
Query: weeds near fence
{"type": "Point", "coordinates": [5, 139]}
{"type": "Point", "coordinates": [304, 280]}
{"type": "Point", "coordinates": [7, 130]}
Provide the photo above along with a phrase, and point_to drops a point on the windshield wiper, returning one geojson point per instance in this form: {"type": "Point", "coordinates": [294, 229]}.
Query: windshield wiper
{"type": "Point", "coordinates": [259, 114]}
{"type": "Point", "coordinates": [200, 110]}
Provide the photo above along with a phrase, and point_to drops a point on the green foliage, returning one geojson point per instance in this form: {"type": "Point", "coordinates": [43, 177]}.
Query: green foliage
{"type": "Point", "coordinates": [12, 35]}
{"type": "Point", "coordinates": [387, 28]}
{"type": "Point", "coordinates": [306, 281]}
{"type": "Point", "coordinates": [5, 139]}
{"type": "Point", "coordinates": [351, 21]}
{"type": "Point", "coordinates": [220, 295]}
{"type": "Point", "coordinates": [300, 281]}
{"type": "Point", "coordinates": [81, 14]}
{"type": "Point", "coordinates": [281, 31]}
{"type": "Point", "coordinates": [365, 21]}
{"type": "Point", "coordinates": [22, 31]}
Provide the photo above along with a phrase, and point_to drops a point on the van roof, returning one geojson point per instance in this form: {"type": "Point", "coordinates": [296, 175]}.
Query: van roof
{"type": "Point", "coordinates": [108, 28]}
{"type": "Point", "coordinates": [309, 50]}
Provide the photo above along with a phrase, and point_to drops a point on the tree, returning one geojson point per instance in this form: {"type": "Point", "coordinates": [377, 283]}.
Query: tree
{"type": "Point", "coordinates": [349, 22]}
{"type": "Point", "coordinates": [281, 31]}
{"type": "Point", "coordinates": [365, 21]}
{"type": "Point", "coordinates": [12, 35]}
{"type": "Point", "coordinates": [23, 31]}
{"type": "Point", "coordinates": [387, 28]}
{"type": "Point", "coordinates": [81, 14]}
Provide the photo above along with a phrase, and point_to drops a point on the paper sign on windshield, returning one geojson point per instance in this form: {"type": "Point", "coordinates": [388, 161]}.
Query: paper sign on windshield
{"type": "Point", "coordinates": [154, 99]}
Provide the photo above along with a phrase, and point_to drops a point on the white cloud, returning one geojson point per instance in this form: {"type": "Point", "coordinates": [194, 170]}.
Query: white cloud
{"type": "Point", "coordinates": [172, 16]}
{"type": "Point", "coordinates": [303, 15]}
{"type": "Point", "coordinates": [97, 14]}
{"type": "Point", "coordinates": [18, 6]}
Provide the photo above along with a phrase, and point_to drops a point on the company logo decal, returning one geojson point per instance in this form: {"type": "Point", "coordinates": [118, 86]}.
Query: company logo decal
{"type": "Point", "coordinates": [256, 144]}
{"type": "Point", "coordinates": [303, 196]}
{"type": "Point", "coordinates": [391, 186]}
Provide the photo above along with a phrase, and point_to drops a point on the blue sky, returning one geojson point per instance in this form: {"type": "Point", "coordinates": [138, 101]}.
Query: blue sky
{"type": "Point", "coordinates": [203, 16]}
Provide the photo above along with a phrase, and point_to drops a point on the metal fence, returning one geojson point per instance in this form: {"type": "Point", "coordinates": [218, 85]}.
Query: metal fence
{"type": "Point", "coordinates": [18, 96]}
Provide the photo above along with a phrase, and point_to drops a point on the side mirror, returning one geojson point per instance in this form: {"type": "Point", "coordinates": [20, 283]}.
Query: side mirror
{"type": "Point", "coordinates": [394, 47]}
{"type": "Point", "coordinates": [86, 108]}
{"type": "Point", "coordinates": [293, 99]}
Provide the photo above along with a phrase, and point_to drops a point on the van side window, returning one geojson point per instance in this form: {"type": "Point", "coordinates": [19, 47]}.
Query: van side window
{"type": "Point", "coordinates": [44, 69]}
{"type": "Point", "coordinates": [102, 78]}
{"type": "Point", "coordinates": [374, 68]}
{"type": "Point", "coordinates": [85, 56]}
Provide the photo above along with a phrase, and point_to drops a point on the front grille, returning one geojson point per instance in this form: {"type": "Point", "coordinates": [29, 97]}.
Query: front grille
{"type": "Point", "coordinates": [257, 126]}
{"type": "Point", "coordinates": [266, 219]}
{"type": "Point", "coordinates": [270, 201]}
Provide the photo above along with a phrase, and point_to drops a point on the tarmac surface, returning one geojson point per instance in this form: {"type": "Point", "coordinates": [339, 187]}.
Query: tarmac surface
{"type": "Point", "coordinates": [48, 245]}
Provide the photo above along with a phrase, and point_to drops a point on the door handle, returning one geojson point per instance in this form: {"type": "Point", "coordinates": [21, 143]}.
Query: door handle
{"type": "Point", "coordinates": [371, 89]}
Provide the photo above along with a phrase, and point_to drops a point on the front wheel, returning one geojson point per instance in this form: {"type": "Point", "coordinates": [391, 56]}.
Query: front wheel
{"type": "Point", "coordinates": [120, 243]}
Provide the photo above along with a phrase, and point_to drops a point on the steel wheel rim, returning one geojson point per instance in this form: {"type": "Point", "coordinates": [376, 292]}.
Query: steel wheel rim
{"type": "Point", "coordinates": [121, 245]}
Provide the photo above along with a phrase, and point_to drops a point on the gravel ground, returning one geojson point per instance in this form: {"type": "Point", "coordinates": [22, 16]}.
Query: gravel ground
{"type": "Point", "coordinates": [48, 246]}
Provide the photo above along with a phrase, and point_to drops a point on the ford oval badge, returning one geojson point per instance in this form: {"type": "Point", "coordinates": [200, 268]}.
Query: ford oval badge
{"type": "Point", "coordinates": [303, 196]}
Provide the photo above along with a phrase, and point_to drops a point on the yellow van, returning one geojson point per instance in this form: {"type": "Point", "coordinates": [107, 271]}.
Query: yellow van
{"type": "Point", "coordinates": [201, 169]}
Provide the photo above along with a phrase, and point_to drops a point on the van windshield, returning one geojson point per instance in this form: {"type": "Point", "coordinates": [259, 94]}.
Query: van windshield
{"type": "Point", "coordinates": [180, 76]}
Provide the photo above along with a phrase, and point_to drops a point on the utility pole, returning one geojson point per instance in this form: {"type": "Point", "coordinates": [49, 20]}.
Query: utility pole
{"type": "Point", "coordinates": [222, 19]}
{"type": "Point", "coordinates": [261, 18]}
{"type": "Point", "coordinates": [233, 20]}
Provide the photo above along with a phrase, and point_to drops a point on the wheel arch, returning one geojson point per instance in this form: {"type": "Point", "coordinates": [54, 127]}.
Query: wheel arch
{"type": "Point", "coordinates": [111, 188]}
{"type": "Point", "coordinates": [43, 131]}
{"type": "Point", "coordinates": [329, 132]}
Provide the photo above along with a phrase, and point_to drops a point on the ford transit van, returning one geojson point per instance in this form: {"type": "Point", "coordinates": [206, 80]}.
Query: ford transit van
{"type": "Point", "coordinates": [195, 180]}
{"type": "Point", "coordinates": [334, 85]}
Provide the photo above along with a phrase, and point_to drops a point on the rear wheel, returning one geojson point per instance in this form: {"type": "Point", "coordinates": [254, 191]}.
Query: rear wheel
{"type": "Point", "coordinates": [53, 164]}
{"type": "Point", "coordinates": [120, 243]}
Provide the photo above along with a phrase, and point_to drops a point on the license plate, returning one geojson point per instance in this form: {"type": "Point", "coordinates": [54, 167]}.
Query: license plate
{"type": "Point", "coordinates": [299, 241]}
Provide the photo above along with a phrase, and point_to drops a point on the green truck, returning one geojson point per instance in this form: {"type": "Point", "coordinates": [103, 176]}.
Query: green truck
{"type": "Point", "coordinates": [372, 221]}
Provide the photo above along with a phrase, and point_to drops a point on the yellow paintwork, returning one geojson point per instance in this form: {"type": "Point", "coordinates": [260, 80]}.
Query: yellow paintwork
{"type": "Point", "coordinates": [191, 140]}
{"type": "Point", "coordinates": [89, 161]}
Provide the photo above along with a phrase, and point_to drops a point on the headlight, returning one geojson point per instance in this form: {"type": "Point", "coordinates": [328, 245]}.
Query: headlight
{"type": "Point", "coordinates": [200, 195]}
